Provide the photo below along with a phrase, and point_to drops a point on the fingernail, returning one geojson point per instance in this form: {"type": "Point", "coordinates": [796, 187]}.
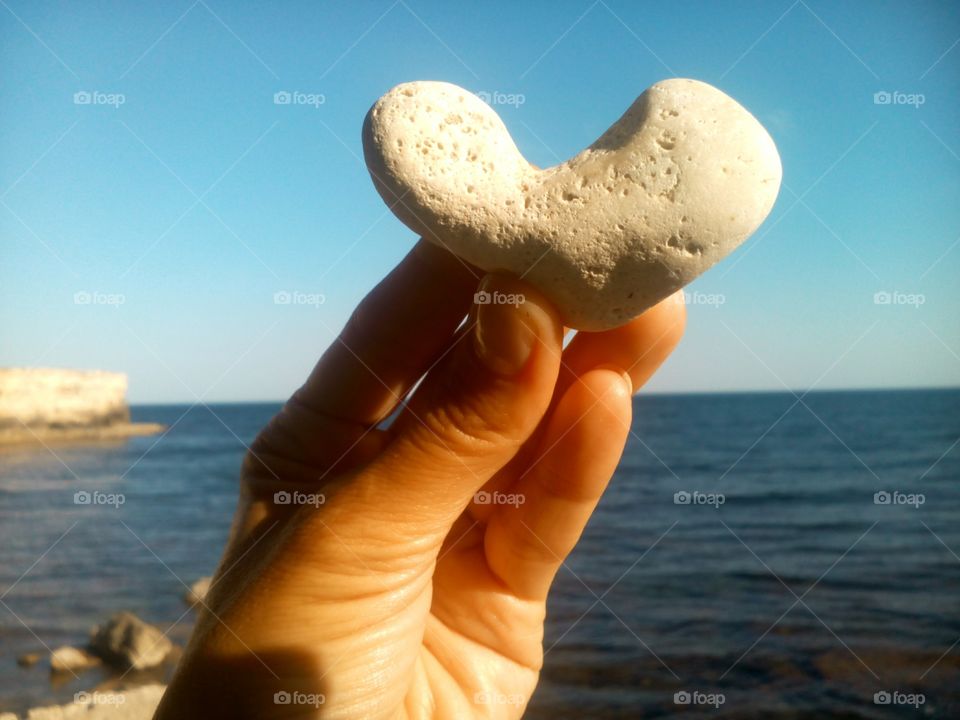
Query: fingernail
{"type": "Point", "coordinates": [508, 324]}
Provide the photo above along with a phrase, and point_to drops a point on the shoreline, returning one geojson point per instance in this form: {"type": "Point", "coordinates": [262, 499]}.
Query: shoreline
{"type": "Point", "coordinates": [27, 436]}
{"type": "Point", "coordinates": [133, 703]}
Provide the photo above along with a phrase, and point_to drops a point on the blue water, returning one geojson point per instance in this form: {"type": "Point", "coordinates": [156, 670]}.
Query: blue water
{"type": "Point", "coordinates": [694, 597]}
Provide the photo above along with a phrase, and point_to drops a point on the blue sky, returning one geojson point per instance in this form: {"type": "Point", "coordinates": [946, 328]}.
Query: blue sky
{"type": "Point", "coordinates": [179, 213]}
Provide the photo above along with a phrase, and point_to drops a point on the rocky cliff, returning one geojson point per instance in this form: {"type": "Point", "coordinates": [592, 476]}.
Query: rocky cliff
{"type": "Point", "coordinates": [41, 405]}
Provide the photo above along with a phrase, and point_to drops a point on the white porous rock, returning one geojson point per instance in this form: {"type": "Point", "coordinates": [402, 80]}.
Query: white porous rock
{"type": "Point", "coordinates": [70, 659]}
{"type": "Point", "coordinates": [676, 184]}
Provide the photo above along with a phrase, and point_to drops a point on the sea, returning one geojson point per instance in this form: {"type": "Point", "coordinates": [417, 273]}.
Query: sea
{"type": "Point", "coordinates": [757, 555]}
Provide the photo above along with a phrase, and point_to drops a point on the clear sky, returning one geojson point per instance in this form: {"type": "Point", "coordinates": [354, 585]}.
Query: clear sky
{"type": "Point", "coordinates": [181, 198]}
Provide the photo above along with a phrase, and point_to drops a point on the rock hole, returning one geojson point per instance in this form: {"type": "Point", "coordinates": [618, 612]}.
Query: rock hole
{"type": "Point", "coordinates": [667, 140]}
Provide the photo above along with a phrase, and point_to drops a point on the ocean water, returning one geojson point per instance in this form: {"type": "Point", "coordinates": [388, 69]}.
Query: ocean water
{"type": "Point", "coordinates": [782, 589]}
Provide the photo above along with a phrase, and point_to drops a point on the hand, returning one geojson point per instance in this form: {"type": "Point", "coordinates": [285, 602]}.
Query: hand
{"type": "Point", "coordinates": [384, 589]}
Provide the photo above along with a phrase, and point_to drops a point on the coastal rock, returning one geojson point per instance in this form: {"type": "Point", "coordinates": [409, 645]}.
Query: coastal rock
{"type": "Point", "coordinates": [676, 184]}
{"type": "Point", "coordinates": [127, 641]}
{"type": "Point", "coordinates": [138, 703]}
{"type": "Point", "coordinates": [50, 405]}
{"type": "Point", "coordinates": [198, 591]}
{"type": "Point", "coordinates": [71, 659]}
{"type": "Point", "coordinates": [28, 660]}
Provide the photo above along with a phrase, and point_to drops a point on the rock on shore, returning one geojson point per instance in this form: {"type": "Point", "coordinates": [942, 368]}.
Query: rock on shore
{"type": "Point", "coordinates": [39, 405]}
{"type": "Point", "coordinates": [128, 642]}
{"type": "Point", "coordinates": [134, 704]}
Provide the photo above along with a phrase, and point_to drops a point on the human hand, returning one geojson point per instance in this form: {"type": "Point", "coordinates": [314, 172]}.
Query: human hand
{"type": "Point", "coordinates": [399, 596]}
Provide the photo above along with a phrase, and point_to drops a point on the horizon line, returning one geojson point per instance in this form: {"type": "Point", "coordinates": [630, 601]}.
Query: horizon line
{"type": "Point", "coordinates": [652, 393]}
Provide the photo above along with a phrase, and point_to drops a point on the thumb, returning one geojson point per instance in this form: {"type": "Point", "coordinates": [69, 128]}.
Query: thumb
{"type": "Point", "coordinates": [479, 404]}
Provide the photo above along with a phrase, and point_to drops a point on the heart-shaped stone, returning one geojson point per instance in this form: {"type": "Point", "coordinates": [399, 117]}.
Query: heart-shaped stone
{"type": "Point", "coordinates": [678, 182]}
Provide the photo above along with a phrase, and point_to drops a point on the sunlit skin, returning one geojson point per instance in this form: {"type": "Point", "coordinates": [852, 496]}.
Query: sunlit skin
{"type": "Point", "coordinates": [398, 595]}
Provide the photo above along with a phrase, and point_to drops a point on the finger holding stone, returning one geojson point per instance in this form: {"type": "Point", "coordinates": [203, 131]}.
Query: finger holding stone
{"type": "Point", "coordinates": [637, 348]}
{"type": "Point", "coordinates": [474, 410]}
{"type": "Point", "coordinates": [640, 347]}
